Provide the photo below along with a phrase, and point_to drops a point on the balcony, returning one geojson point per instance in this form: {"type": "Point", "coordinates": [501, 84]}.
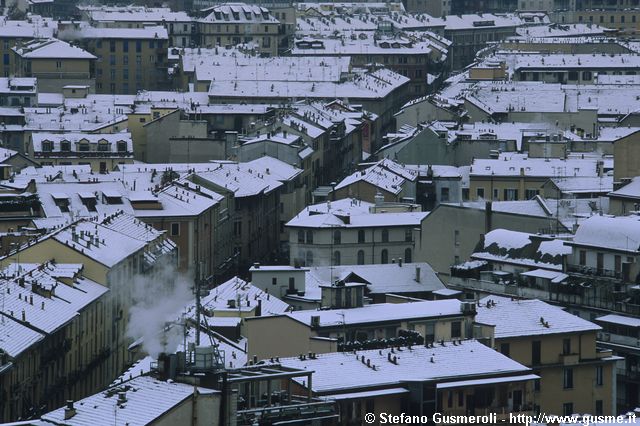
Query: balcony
{"type": "Point", "coordinates": [62, 75]}
{"type": "Point", "coordinates": [588, 271]}
{"type": "Point", "coordinates": [83, 154]}
{"type": "Point", "coordinates": [569, 359]}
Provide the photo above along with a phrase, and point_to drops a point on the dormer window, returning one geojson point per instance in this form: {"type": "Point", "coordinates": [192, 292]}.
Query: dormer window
{"type": "Point", "coordinates": [122, 146]}
{"type": "Point", "coordinates": [103, 145]}
{"type": "Point", "coordinates": [47, 146]}
{"type": "Point", "coordinates": [65, 146]}
{"type": "Point", "coordinates": [83, 146]}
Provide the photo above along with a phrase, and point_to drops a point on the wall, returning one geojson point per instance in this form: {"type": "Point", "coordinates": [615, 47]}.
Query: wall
{"type": "Point", "coordinates": [439, 245]}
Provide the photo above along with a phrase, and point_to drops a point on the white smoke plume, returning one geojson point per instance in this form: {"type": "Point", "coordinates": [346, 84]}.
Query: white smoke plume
{"type": "Point", "coordinates": [158, 299]}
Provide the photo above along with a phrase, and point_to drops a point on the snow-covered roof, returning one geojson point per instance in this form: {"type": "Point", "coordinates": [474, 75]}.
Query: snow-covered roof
{"type": "Point", "coordinates": [97, 241]}
{"type": "Point", "coordinates": [240, 179]}
{"type": "Point", "coordinates": [559, 30]}
{"type": "Point", "coordinates": [306, 219]}
{"type": "Point", "coordinates": [238, 13]}
{"type": "Point", "coordinates": [517, 318]}
{"type": "Point", "coordinates": [339, 372]}
{"type": "Point", "coordinates": [51, 48]}
{"type": "Point", "coordinates": [380, 312]}
{"type": "Point", "coordinates": [15, 338]}
{"type": "Point", "coordinates": [131, 13]}
{"type": "Point", "coordinates": [380, 279]}
{"type": "Point", "coordinates": [502, 245]}
{"type": "Point", "coordinates": [619, 320]}
{"type": "Point", "coordinates": [630, 190]}
{"type": "Point", "coordinates": [578, 61]}
{"type": "Point", "coordinates": [534, 167]}
{"type": "Point", "coordinates": [614, 233]}
{"type": "Point", "coordinates": [44, 302]}
{"type": "Point", "coordinates": [359, 84]}
{"type": "Point", "coordinates": [385, 174]}
{"type": "Point", "coordinates": [246, 297]}
{"type": "Point", "coordinates": [105, 140]}
{"type": "Point", "coordinates": [36, 27]}
{"type": "Point", "coordinates": [584, 184]}
{"type": "Point", "coordinates": [85, 30]}
{"type": "Point", "coordinates": [365, 44]}
{"type": "Point", "coordinates": [147, 400]}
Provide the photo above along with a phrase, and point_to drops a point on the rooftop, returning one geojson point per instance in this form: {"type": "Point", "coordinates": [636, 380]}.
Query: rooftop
{"type": "Point", "coordinates": [147, 399]}
{"type": "Point", "coordinates": [344, 371]}
{"type": "Point", "coordinates": [524, 318]}
{"type": "Point", "coordinates": [380, 312]}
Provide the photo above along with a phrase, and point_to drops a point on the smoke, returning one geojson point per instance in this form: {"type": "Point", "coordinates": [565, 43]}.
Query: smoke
{"type": "Point", "coordinates": [157, 299]}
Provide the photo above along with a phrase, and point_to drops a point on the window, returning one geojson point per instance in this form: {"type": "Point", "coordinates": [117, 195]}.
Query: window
{"type": "Point", "coordinates": [58, 64]}
{"type": "Point", "coordinates": [600, 261]}
{"type": "Point", "coordinates": [460, 398]}
{"type": "Point", "coordinates": [274, 281]}
{"type": "Point", "coordinates": [504, 349]}
{"type": "Point", "coordinates": [567, 378]}
{"type": "Point", "coordinates": [112, 59]}
{"type": "Point", "coordinates": [599, 405]}
{"type": "Point", "coordinates": [456, 237]}
{"type": "Point", "coordinates": [617, 260]}
{"type": "Point", "coordinates": [408, 235]}
{"type": "Point", "coordinates": [301, 236]}
{"type": "Point", "coordinates": [336, 258]}
{"type": "Point", "coordinates": [567, 408]}
{"type": "Point", "coordinates": [138, 46]}
{"type": "Point", "coordinates": [309, 236]}
{"type": "Point", "coordinates": [586, 75]}
{"type": "Point", "coordinates": [83, 146]}
{"type": "Point", "coordinates": [47, 146]}
{"type": "Point", "coordinates": [103, 146]}
{"type": "Point", "coordinates": [112, 46]}
{"type": "Point", "coordinates": [449, 399]}
{"type": "Point", "coordinates": [122, 146]}
{"type": "Point", "coordinates": [530, 193]}
{"type": "Point", "coordinates": [65, 146]}
{"type": "Point", "coordinates": [384, 256]}
{"type": "Point", "coordinates": [361, 237]}
{"type": "Point", "coordinates": [444, 195]}
{"type": "Point", "coordinates": [407, 255]}
{"type": "Point", "coordinates": [510, 194]}
{"type": "Point", "coordinates": [566, 346]}
{"type": "Point", "coordinates": [583, 257]}
{"type": "Point", "coordinates": [309, 259]}
{"type": "Point", "coordinates": [337, 237]}
{"type": "Point", "coordinates": [125, 73]}
{"type": "Point", "coordinates": [456, 329]}
{"type": "Point", "coordinates": [360, 257]}
{"type": "Point", "coordinates": [535, 352]}
{"type": "Point", "coordinates": [599, 376]}
{"type": "Point", "coordinates": [175, 229]}
{"type": "Point", "coordinates": [479, 192]}
{"type": "Point", "coordinates": [385, 235]}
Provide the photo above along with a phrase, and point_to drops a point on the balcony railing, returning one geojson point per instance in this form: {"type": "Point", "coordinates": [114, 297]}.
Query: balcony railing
{"type": "Point", "coordinates": [82, 154]}
{"type": "Point", "coordinates": [597, 272]}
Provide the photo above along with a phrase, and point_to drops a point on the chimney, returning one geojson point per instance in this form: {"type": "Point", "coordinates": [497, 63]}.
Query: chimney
{"type": "Point", "coordinates": [400, 261]}
{"type": "Point", "coordinates": [69, 410]}
{"type": "Point", "coordinates": [417, 274]}
{"type": "Point", "coordinates": [122, 397]}
{"type": "Point", "coordinates": [256, 265]}
{"type": "Point", "coordinates": [488, 213]}
{"type": "Point", "coordinates": [259, 308]}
